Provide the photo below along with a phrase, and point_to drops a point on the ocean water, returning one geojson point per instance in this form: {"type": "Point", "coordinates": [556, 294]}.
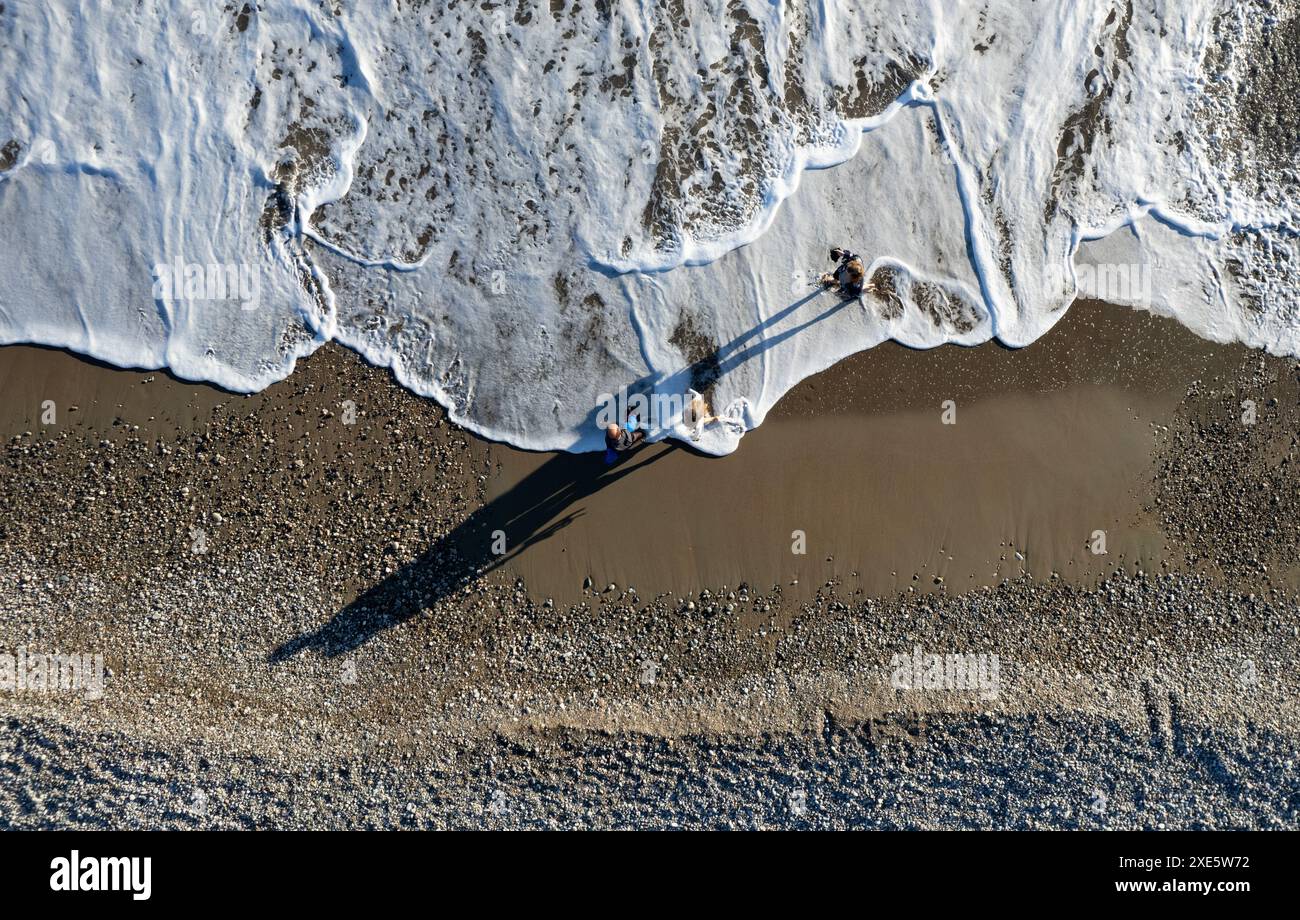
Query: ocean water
{"type": "Point", "coordinates": [529, 209]}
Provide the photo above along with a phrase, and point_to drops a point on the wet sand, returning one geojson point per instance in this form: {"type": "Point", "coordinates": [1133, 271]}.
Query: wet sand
{"type": "Point", "coordinates": [91, 396]}
{"type": "Point", "coordinates": [1049, 448]}
{"type": "Point", "coordinates": [1049, 445]}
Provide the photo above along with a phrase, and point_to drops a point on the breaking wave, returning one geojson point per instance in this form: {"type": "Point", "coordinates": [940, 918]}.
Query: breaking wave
{"type": "Point", "coordinates": [522, 206]}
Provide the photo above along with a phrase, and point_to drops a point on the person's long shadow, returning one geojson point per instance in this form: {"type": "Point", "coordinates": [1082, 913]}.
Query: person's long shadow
{"type": "Point", "coordinates": [524, 515]}
{"type": "Point", "coordinates": [529, 512]}
{"type": "Point", "coordinates": [732, 355]}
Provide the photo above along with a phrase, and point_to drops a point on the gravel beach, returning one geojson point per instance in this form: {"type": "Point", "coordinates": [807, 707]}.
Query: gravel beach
{"type": "Point", "coordinates": [308, 617]}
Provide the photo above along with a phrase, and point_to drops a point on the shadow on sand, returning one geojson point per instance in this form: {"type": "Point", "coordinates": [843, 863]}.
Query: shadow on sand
{"type": "Point", "coordinates": [539, 506]}
{"type": "Point", "coordinates": [536, 508]}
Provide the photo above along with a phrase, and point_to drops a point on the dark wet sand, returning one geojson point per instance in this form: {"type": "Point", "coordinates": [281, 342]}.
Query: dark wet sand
{"type": "Point", "coordinates": [91, 395]}
{"type": "Point", "coordinates": [1051, 444]}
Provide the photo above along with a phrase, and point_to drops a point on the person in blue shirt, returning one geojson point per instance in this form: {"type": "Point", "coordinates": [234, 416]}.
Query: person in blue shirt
{"type": "Point", "coordinates": [849, 277]}
{"type": "Point", "coordinates": [620, 440]}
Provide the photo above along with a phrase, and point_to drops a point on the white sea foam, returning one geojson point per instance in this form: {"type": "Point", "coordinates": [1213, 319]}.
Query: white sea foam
{"type": "Point", "coordinates": [521, 206]}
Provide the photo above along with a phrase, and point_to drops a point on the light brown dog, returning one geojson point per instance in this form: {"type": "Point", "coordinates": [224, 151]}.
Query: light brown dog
{"type": "Point", "coordinates": [697, 415]}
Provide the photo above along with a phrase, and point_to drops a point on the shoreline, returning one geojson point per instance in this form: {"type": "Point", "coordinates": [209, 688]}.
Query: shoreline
{"type": "Point", "coordinates": [1049, 446]}
{"type": "Point", "coordinates": [1083, 406]}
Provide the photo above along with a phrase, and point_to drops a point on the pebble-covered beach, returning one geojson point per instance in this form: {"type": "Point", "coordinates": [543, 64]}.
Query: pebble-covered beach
{"type": "Point", "coordinates": [303, 624]}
